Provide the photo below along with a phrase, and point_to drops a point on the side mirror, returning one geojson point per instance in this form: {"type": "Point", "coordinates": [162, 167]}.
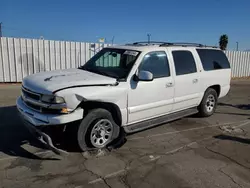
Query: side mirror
{"type": "Point", "coordinates": [145, 76]}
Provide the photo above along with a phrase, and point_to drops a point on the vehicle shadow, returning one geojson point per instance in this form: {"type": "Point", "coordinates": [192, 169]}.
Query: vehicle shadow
{"type": "Point", "coordinates": [68, 141]}
{"type": "Point", "coordinates": [14, 135]}
{"type": "Point", "coordinates": [239, 106]}
{"type": "Point", "coordinates": [229, 113]}
{"type": "Point", "coordinates": [233, 138]}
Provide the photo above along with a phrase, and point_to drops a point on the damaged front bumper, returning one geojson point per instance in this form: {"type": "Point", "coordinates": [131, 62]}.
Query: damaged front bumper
{"type": "Point", "coordinates": [43, 137]}
{"type": "Point", "coordinates": [35, 122]}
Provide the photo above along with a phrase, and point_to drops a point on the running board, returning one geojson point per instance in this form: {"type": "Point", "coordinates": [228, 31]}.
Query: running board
{"type": "Point", "coordinates": [159, 120]}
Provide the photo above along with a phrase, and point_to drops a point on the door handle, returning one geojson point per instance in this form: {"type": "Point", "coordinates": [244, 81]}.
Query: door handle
{"type": "Point", "coordinates": [195, 81]}
{"type": "Point", "coordinates": [170, 84]}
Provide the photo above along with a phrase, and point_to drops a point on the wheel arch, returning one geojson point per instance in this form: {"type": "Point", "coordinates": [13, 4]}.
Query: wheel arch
{"type": "Point", "coordinates": [111, 107]}
{"type": "Point", "coordinates": [217, 88]}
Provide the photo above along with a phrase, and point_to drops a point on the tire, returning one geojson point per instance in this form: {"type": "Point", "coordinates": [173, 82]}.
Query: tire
{"type": "Point", "coordinates": [209, 96]}
{"type": "Point", "coordinates": [100, 123]}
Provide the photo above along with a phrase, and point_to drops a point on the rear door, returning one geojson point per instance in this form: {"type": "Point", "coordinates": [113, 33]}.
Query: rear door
{"type": "Point", "coordinates": [187, 79]}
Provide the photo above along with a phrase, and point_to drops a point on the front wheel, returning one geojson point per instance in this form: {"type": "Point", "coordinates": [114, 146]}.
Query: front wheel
{"type": "Point", "coordinates": [97, 130]}
{"type": "Point", "coordinates": [208, 103]}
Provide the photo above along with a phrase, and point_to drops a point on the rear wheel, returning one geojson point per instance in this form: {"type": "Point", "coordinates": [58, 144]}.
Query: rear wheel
{"type": "Point", "coordinates": [208, 103]}
{"type": "Point", "coordinates": [97, 130]}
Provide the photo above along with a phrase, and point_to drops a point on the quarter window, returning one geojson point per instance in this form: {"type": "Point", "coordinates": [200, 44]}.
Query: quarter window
{"type": "Point", "coordinates": [213, 59]}
{"type": "Point", "coordinates": [184, 62]}
{"type": "Point", "coordinates": [156, 63]}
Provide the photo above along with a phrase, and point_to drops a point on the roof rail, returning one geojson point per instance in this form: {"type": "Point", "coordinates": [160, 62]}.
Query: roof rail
{"type": "Point", "coordinates": [181, 44]}
{"type": "Point", "coordinates": [147, 43]}
{"type": "Point", "coordinates": [184, 44]}
{"type": "Point", "coordinates": [161, 43]}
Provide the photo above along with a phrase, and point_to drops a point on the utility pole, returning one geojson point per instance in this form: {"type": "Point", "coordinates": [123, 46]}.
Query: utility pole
{"type": "Point", "coordinates": [149, 35]}
{"type": "Point", "coordinates": [112, 41]}
{"type": "Point", "coordinates": [1, 33]}
{"type": "Point", "coordinates": [237, 46]}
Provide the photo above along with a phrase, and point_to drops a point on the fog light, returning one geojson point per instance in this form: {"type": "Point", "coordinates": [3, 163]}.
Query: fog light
{"type": "Point", "coordinates": [64, 110]}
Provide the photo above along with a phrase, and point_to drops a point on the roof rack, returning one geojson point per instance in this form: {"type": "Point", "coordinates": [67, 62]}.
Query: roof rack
{"type": "Point", "coordinates": [183, 44]}
{"type": "Point", "coordinates": [142, 43]}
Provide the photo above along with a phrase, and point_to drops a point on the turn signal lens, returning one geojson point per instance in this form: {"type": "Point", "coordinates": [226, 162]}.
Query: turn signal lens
{"type": "Point", "coordinates": [64, 110]}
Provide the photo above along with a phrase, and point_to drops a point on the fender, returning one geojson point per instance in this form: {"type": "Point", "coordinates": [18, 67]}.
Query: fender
{"type": "Point", "coordinates": [76, 97]}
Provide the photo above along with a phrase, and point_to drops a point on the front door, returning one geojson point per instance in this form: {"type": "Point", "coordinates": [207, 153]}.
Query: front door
{"type": "Point", "coordinates": [148, 99]}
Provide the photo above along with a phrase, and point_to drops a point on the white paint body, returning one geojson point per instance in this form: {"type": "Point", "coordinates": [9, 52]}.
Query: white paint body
{"type": "Point", "coordinates": [137, 101]}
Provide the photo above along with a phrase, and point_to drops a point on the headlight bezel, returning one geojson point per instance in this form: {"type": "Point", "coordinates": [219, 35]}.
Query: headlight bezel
{"type": "Point", "coordinates": [52, 99]}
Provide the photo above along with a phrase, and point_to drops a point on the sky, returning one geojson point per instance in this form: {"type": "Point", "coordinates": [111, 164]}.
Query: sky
{"type": "Point", "coordinates": [201, 21]}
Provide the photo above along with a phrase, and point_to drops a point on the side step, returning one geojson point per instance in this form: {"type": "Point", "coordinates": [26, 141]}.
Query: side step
{"type": "Point", "coordinates": [159, 120]}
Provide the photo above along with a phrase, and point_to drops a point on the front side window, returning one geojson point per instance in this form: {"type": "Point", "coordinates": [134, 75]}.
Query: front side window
{"type": "Point", "coordinates": [112, 62]}
{"type": "Point", "coordinates": [184, 62]}
{"type": "Point", "coordinates": [156, 63]}
{"type": "Point", "coordinates": [213, 59]}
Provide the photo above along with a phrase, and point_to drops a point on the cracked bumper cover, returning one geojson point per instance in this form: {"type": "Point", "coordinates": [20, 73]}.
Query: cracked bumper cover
{"type": "Point", "coordinates": [34, 120]}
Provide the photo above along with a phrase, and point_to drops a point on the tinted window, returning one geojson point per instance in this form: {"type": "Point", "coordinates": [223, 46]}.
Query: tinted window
{"type": "Point", "coordinates": [156, 63]}
{"type": "Point", "coordinates": [213, 59]}
{"type": "Point", "coordinates": [184, 62]}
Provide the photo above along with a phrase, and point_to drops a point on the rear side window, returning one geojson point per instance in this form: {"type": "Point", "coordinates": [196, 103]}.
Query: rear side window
{"type": "Point", "coordinates": [213, 59]}
{"type": "Point", "coordinates": [184, 62]}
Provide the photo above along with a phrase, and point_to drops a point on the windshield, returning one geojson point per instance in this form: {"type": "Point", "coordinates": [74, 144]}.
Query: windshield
{"type": "Point", "coordinates": [111, 62]}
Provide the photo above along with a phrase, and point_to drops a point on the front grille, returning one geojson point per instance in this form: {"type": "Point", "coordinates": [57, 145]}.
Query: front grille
{"type": "Point", "coordinates": [41, 109]}
{"type": "Point", "coordinates": [34, 101]}
{"type": "Point", "coordinates": [31, 94]}
{"type": "Point", "coordinates": [34, 107]}
{"type": "Point", "coordinates": [27, 94]}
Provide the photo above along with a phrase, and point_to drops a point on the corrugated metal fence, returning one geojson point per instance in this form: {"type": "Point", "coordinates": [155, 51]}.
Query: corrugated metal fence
{"type": "Point", "coordinates": [240, 63]}
{"type": "Point", "coordinates": [21, 57]}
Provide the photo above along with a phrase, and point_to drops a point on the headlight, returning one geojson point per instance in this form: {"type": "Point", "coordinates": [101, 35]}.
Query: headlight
{"type": "Point", "coordinates": [52, 99]}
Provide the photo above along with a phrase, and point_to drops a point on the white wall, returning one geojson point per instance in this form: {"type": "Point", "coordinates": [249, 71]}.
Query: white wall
{"type": "Point", "coordinates": [21, 57]}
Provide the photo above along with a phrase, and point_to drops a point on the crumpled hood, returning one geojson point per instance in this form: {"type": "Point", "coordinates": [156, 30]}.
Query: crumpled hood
{"type": "Point", "coordinates": [48, 82]}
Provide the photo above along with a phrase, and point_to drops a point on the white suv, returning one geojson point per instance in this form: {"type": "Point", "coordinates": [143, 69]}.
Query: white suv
{"type": "Point", "coordinates": [125, 88]}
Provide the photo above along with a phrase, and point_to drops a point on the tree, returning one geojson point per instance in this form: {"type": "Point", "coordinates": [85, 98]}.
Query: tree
{"type": "Point", "coordinates": [223, 42]}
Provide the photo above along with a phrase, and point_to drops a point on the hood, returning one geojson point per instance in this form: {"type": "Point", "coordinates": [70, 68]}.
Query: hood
{"type": "Point", "coordinates": [49, 82]}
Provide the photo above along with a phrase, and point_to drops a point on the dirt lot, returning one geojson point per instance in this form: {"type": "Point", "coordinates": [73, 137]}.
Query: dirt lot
{"type": "Point", "coordinates": [191, 152]}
